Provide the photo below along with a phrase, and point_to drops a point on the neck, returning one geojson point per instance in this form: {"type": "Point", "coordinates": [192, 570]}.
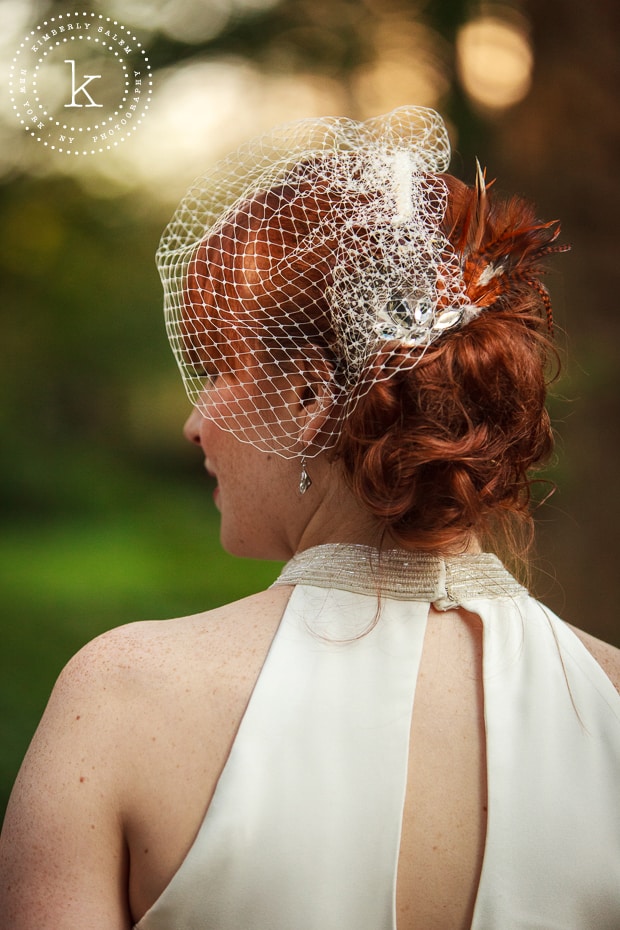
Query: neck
{"type": "Point", "coordinates": [338, 518]}
{"type": "Point", "coordinates": [334, 515]}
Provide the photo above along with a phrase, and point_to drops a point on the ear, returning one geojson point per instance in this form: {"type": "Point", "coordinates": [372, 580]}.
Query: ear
{"type": "Point", "coordinates": [315, 395]}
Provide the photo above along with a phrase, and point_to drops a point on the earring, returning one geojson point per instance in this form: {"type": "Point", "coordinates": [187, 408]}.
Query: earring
{"type": "Point", "coordinates": [304, 479]}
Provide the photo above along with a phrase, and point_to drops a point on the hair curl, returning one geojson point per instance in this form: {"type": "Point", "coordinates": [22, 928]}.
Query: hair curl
{"type": "Point", "coordinates": [446, 450]}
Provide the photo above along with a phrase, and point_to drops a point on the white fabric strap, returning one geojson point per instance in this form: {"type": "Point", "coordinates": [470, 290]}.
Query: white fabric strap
{"type": "Point", "coordinates": [304, 829]}
{"type": "Point", "coordinates": [552, 858]}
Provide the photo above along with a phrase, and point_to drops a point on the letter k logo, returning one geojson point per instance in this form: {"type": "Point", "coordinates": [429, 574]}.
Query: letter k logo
{"type": "Point", "coordinates": [82, 88]}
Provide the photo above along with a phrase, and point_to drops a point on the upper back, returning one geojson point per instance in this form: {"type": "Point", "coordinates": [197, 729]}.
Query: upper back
{"type": "Point", "coordinates": [446, 832]}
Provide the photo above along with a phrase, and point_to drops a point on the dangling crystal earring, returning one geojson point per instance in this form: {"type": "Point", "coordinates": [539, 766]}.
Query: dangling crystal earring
{"type": "Point", "coordinates": [304, 479]}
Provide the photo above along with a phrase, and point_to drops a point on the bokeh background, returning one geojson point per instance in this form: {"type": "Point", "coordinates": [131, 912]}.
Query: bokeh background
{"type": "Point", "coordinates": [106, 515]}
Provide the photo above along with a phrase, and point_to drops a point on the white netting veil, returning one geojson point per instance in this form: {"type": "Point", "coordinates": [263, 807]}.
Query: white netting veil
{"type": "Point", "coordinates": [311, 260]}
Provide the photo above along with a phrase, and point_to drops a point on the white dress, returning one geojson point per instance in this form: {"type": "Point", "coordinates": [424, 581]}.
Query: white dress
{"type": "Point", "coordinates": [303, 831]}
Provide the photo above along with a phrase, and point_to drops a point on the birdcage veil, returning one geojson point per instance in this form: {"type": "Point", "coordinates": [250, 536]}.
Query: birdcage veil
{"type": "Point", "coordinates": [315, 248]}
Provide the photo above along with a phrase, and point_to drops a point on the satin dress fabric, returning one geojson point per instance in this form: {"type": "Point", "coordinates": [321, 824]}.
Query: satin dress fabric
{"type": "Point", "coordinates": [304, 827]}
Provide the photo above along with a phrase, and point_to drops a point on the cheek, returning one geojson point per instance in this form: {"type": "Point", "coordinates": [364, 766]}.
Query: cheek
{"type": "Point", "coordinates": [256, 413]}
{"type": "Point", "coordinates": [236, 414]}
{"type": "Point", "coordinates": [209, 433]}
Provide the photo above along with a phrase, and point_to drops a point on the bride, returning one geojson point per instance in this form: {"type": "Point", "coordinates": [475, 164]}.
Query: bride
{"type": "Point", "coordinates": [395, 734]}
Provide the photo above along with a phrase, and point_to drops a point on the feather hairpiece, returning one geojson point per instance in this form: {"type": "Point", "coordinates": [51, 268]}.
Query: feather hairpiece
{"type": "Point", "coordinates": [502, 251]}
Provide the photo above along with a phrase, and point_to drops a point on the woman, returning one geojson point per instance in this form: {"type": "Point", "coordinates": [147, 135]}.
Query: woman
{"type": "Point", "coordinates": [395, 734]}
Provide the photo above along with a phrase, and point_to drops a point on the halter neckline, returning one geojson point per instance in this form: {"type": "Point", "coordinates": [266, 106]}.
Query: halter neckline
{"type": "Point", "coordinates": [401, 574]}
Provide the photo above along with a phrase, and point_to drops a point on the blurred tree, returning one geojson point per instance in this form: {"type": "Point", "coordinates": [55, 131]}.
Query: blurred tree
{"type": "Point", "coordinates": [561, 145]}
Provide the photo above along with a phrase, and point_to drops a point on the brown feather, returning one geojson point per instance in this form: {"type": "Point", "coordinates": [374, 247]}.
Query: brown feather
{"type": "Point", "coordinates": [502, 246]}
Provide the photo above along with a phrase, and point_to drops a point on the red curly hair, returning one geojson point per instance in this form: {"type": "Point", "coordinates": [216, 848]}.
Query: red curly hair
{"type": "Point", "coordinates": [444, 450]}
{"type": "Point", "coordinates": [447, 449]}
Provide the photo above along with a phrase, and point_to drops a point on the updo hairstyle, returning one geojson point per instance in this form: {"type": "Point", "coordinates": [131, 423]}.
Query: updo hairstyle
{"type": "Point", "coordinates": [438, 450]}
{"type": "Point", "coordinates": [448, 448]}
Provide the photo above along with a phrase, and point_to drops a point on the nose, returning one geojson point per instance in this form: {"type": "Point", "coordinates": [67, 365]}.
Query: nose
{"type": "Point", "coordinates": [191, 430]}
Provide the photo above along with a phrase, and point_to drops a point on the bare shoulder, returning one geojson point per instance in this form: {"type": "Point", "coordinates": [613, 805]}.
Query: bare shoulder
{"type": "Point", "coordinates": [121, 684]}
{"type": "Point", "coordinates": [152, 645]}
{"type": "Point", "coordinates": [607, 656]}
{"type": "Point", "coordinates": [149, 658]}
{"type": "Point", "coordinates": [140, 686]}
{"type": "Point", "coordinates": [119, 734]}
